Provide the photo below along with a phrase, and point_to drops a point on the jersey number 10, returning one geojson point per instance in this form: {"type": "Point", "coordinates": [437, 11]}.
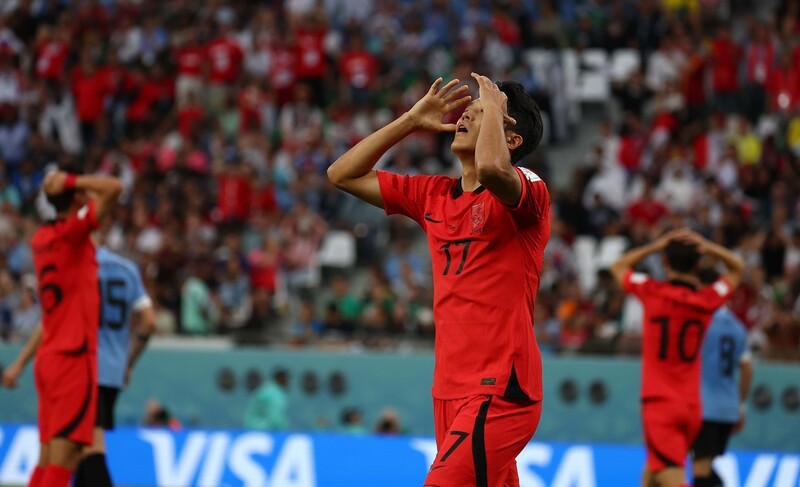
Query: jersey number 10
{"type": "Point", "coordinates": [688, 328]}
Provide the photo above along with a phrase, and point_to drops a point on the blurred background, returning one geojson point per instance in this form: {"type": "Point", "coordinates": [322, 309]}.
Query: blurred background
{"type": "Point", "coordinates": [221, 117]}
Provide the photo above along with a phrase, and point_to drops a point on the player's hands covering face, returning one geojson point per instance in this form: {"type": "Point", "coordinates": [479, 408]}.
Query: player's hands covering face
{"type": "Point", "coordinates": [428, 112]}
{"type": "Point", "coordinates": [490, 94]}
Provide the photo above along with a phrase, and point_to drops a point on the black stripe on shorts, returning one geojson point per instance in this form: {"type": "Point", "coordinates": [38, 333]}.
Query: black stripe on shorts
{"type": "Point", "coordinates": [652, 446]}
{"type": "Point", "coordinates": [70, 427]}
{"type": "Point", "coordinates": [479, 445]}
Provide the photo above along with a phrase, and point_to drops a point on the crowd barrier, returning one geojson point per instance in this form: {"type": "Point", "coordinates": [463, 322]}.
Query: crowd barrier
{"type": "Point", "coordinates": [162, 457]}
{"type": "Point", "coordinates": [587, 400]}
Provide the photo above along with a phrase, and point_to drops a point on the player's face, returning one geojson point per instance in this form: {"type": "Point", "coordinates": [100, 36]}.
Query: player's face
{"type": "Point", "coordinates": [467, 128]}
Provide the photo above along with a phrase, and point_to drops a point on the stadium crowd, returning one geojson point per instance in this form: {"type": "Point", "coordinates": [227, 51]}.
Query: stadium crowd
{"type": "Point", "coordinates": [222, 120]}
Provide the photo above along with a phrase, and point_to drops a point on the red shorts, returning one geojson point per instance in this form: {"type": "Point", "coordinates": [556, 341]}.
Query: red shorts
{"type": "Point", "coordinates": [478, 440]}
{"type": "Point", "coordinates": [67, 388]}
{"type": "Point", "coordinates": [669, 432]}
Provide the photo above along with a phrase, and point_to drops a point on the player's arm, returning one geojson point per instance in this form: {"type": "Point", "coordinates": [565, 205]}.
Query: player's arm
{"type": "Point", "coordinates": [103, 190]}
{"type": "Point", "coordinates": [13, 372]}
{"type": "Point", "coordinates": [145, 326]}
{"type": "Point", "coordinates": [745, 379]}
{"type": "Point", "coordinates": [733, 262]}
{"type": "Point", "coordinates": [493, 147]}
{"type": "Point", "coordinates": [353, 172]}
{"type": "Point", "coordinates": [634, 256]}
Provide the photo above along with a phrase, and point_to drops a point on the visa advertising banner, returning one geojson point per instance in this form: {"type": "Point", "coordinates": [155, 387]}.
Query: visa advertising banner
{"type": "Point", "coordinates": [161, 457]}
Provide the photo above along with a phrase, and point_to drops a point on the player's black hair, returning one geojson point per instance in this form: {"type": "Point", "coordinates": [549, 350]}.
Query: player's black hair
{"type": "Point", "coordinates": [681, 256]}
{"type": "Point", "coordinates": [707, 276]}
{"type": "Point", "coordinates": [62, 201]}
{"type": "Point", "coordinates": [523, 109]}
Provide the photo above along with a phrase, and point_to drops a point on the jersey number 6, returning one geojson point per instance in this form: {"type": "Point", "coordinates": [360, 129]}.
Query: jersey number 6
{"type": "Point", "coordinates": [50, 294]}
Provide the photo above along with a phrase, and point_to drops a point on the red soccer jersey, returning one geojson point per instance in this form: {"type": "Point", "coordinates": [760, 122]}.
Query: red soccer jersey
{"type": "Point", "coordinates": [69, 291]}
{"type": "Point", "coordinates": [190, 60]}
{"type": "Point", "coordinates": [676, 317]}
{"type": "Point", "coordinates": [225, 57]}
{"type": "Point", "coordinates": [486, 259]}
{"type": "Point", "coordinates": [51, 59]}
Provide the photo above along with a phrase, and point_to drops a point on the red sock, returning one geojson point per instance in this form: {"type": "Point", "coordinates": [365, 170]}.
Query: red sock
{"type": "Point", "coordinates": [36, 477]}
{"type": "Point", "coordinates": [55, 476]}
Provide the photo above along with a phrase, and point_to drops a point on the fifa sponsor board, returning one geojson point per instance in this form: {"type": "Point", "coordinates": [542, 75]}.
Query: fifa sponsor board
{"type": "Point", "coordinates": [160, 457]}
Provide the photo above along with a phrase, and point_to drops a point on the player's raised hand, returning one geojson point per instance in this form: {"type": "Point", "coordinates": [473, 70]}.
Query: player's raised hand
{"type": "Point", "coordinates": [490, 93]}
{"type": "Point", "coordinates": [739, 424]}
{"type": "Point", "coordinates": [429, 111]}
{"type": "Point", "coordinates": [11, 376]}
{"type": "Point", "coordinates": [677, 234]}
{"type": "Point", "coordinates": [127, 379]}
{"type": "Point", "coordinates": [54, 182]}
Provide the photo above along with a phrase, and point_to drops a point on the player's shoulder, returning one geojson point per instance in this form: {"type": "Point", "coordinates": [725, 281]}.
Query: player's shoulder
{"type": "Point", "coordinates": [108, 258]}
{"type": "Point", "coordinates": [729, 319]}
{"type": "Point", "coordinates": [439, 185]}
{"type": "Point", "coordinates": [530, 176]}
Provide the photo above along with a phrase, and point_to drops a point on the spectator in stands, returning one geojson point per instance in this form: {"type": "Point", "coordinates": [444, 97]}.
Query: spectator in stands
{"type": "Point", "coordinates": [234, 294]}
{"type": "Point", "coordinates": [255, 85]}
{"type": "Point", "coordinates": [199, 305]}
{"type": "Point", "coordinates": [307, 327]}
{"type": "Point", "coordinates": [345, 308]}
{"type": "Point", "coordinates": [157, 415]}
{"type": "Point", "coordinates": [388, 423]}
{"type": "Point", "coordinates": [269, 405]}
{"type": "Point", "coordinates": [352, 422]}
{"type": "Point", "coordinates": [26, 315]}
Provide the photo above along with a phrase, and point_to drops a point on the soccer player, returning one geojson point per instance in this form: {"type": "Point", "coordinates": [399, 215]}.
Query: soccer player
{"type": "Point", "coordinates": [120, 344]}
{"type": "Point", "coordinates": [66, 362]}
{"type": "Point", "coordinates": [487, 231]}
{"type": "Point", "coordinates": [677, 313]}
{"type": "Point", "coordinates": [724, 351]}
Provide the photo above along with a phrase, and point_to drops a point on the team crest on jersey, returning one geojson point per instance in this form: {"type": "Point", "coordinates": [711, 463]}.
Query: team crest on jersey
{"type": "Point", "coordinates": [478, 217]}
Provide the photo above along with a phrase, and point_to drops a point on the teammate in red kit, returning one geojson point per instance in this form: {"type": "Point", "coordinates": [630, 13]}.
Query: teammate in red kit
{"type": "Point", "coordinates": [66, 362]}
{"type": "Point", "coordinates": [486, 233]}
{"type": "Point", "coordinates": [677, 313]}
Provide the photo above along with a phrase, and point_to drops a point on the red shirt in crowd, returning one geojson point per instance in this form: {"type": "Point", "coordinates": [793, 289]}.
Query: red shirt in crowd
{"type": "Point", "coordinates": [51, 58]}
{"type": "Point", "coordinates": [310, 51]}
{"type": "Point", "coordinates": [282, 74]}
{"type": "Point", "coordinates": [225, 57]}
{"type": "Point", "coordinates": [647, 210]}
{"type": "Point", "coordinates": [234, 196]}
{"type": "Point", "coordinates": [760, 56]}
{"type": "Point", "coordinates": [190, 60]}
{"type": "Point", "coordinates": [725, 58]}
{"type": "Point", "coordinates": [694, 90]}
{"type": "Point", "coordinates": [147, 92]}
{"type": "Point", "coordinates": [630, 150]}
{"type": "Point", "coordinates": [188, 116]}
{"type": "Point", "coordinates": [783, 87]}
{"type": "Point", "coordinates": [250, 100]}
{"type": "Point", "coordinates": [359, 68]}
{"type": "Point", "coordinates": [90, 90]}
